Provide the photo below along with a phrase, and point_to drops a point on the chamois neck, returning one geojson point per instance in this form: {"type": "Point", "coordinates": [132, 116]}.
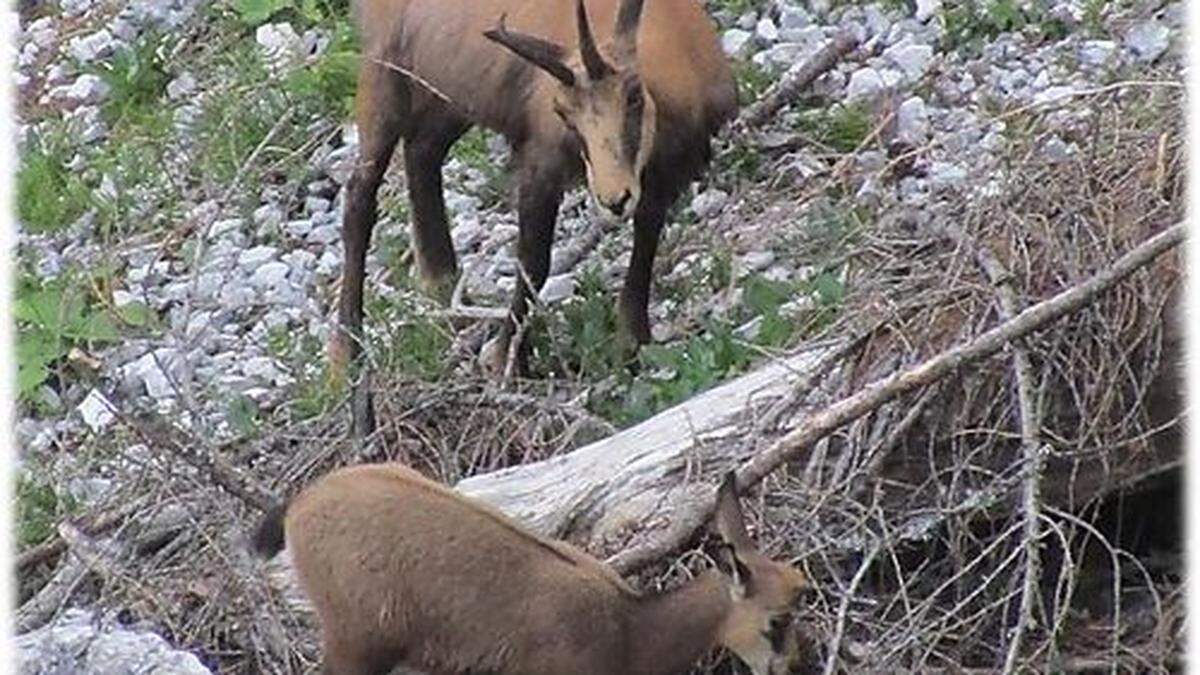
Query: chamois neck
{"type": "Point", "coordinates": [671, 631]}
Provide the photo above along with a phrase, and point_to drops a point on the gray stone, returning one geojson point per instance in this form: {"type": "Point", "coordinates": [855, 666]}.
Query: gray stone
{"type": "Point", "coordinates": [236, 295]}
{"type": "Point", "coordinates": [262, 368]}
{"type": "Point", "coordinates": [737, 42]}
{"type": "Point", "coordinates": [298, 228]}
{"type": "Point", "coordinates": [766, 30]}
{"type": "Point", "coordinates": [225, 228]}
{"type": "Point", "coordinates": [96, 411]}
{"type": "Point", "coordinates": [324, 234]}
{"type": "Point", "coordinates": [747, 20]}
{"type": "Point", "coordinates": [28, 56]}
{"type": "Point", "coordinates": [79, 643]}
{"type": "Point", "coordinates": [877, 23]}
{"type": "Point", "coordinates": [755, 261]}
{"type": "Point", "coordinates": [59, 73]}
{"type": "Point", "coordinates": [912, 121]}
{"type": "Point", "coordinates": [123, 29]}
{"type": "Point", "coordinates": [280, 44]}
{"type": "Point", "coordinates": [316, 204]}
{"type": "Point", "coordinates": [946, 174]}
{"type": "Point", "coordinates": [793, 16]}
{"type": "Point", "coordinates": [89, 48]}
{"type": "Point", "coordinates": [270, 274]}
{"type": "Point", "coordinates": [181, 86]}
{"type": "Point", "coordinates": [709, 203]}
{"type": "Point", "coordinates": [42, 33]}
{"type": "Point", "coordinates": [299, 259]}
{"type": "Point", "coordinates": [865, 84]}
{"type": "Point", "coordinates": [339, 164]}
{"type": "Point", "coordinates": [85, 125]}
{"type": "Point", "coordinates": [329, 263]}
{"type": "Point", "coordinates": [467, 233]}
{"type": "Point", "coordinates": [911, 58]}
{"type": "Point", "coordinates": [75, 7]}
{"type": "Point", "coordinates": [558, 288]}
{"type": "Point", "coordinates": [927, 8]}
{"type": "Point", "coordinates": [157, 371]}
{"type": "Point", "coordinates": [268, 215]}
{"type": "Point", "coordinates": [252, 259]}
{"type": "Point", "coordinates": [1097, 53]}
{"type": "Point", "coordinates": [1148, 40]}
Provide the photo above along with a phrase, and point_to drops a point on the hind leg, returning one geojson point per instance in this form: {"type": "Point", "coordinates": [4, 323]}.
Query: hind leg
{"type": "Point", "coordinates": [433, 129]}
{"type": "Point", "coordinates": [381, 108]}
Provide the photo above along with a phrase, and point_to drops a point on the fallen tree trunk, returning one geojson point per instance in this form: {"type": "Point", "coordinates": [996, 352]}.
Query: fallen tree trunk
{"type": "Point", "coordinates": [645, 478]}
{"type": "Point", "coordinates": [620, 480]}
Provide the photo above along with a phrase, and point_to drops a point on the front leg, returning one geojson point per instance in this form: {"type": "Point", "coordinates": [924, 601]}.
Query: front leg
{"type": "Point", "coordinates": [539, 195]}
{"type": "Point", "coordinates": [648, 222]}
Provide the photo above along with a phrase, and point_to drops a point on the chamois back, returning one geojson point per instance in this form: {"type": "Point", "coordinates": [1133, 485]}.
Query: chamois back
{"type": "Point", "coordinates": [402, 570]}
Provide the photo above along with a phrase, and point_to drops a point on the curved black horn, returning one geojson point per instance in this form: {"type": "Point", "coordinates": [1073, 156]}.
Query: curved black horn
{"type": "Point", "coordinates": [628, 18]}
{"type": "Point", "coordinates": [592, 61]}
{"type": "Point", "coordinates": [541, 53]}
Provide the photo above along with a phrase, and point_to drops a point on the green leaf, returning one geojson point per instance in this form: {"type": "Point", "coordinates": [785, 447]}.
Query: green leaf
{"type": "Point", "coordinates": [36, 350]}
{"type": "Point", "coordinates": [764, 296]}
{"type": "Point", "coordinates": [255, 12]}
{"type": "Point", "coordinates": [829, 288]}
{"type": "Point", "coordinates": [136, 314]}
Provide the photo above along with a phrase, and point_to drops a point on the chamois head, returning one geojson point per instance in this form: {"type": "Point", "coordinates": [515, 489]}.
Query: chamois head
{"type": "Point", "coordinates": [601, 101]}
{"type": "Point", "coordinates": [765, 593]}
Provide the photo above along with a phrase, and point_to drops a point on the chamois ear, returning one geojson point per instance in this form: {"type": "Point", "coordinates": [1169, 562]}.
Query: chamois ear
{"type": "Point", "coordinates": [629, 16]}
{"type": "Point", "coordinates": [732, 566]}
{"type": "Point", "coordinates": [541, 53]}
{"type": "Point", "coordinates": [592, 61]}
{"type": "Point", "coordinates": [728, 515]}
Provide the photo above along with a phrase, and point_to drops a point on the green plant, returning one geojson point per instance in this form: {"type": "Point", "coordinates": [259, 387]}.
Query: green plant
{"type": "Point", "coordinates": [329, 82]}
{"type": "Point", "coordinates": [410, 341]}
{"type": "Point", "coordinates": [752, 80]}
{"type": "Point", "coordinates": [472, 149]}
{"type": "Point", "coordinates": [49, 195]}
{"type": "Point", "coordinates": [137, 78]}
{"type": "Point", "coordinates": [592, 350]}
{"type": "Point", "coordinates": [742, 160]}
{"type": "Point", "coordinates": [39, 509]}
{"type": "Point", "coordinates": [842, 127]}
{"type": "Point", "coordinates": [52, 317]}
{"type": "Point", "coordinates": [735, 7]}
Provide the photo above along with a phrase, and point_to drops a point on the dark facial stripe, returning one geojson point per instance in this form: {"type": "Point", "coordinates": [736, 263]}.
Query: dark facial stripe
{"type": "Point", "coordinates": [631, 129]}
{"type": "Point", "coordinates": [777, 633]}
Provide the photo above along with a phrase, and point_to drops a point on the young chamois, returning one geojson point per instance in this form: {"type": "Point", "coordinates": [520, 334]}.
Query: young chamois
{"type": "Point", "coordinates": [402, 570]}
{"type": "Point", "coordinates": [629, 97]}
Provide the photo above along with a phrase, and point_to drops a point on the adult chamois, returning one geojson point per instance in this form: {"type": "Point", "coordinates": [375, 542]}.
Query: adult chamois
{"type": "Point", "coordinates": [632, 105]}
{"type": "Point", "coordinates": [402, 570]}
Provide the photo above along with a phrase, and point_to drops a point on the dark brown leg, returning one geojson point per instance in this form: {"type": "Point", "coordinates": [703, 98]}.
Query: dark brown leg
{"type": "Point", "coordinates": [380, 110]}
{"type": "Point", "coordinates": [648, 219]}
{"type": "Point", "coordinates": [433, 130]}
{"type": "Point", "coordinates": [539, 195]}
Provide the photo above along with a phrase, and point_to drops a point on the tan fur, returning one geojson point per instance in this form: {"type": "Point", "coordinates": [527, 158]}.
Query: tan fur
{"type": "Point", "coordinates": [627, 93]}
{"type": "Point", "coordinates": [402, 570]}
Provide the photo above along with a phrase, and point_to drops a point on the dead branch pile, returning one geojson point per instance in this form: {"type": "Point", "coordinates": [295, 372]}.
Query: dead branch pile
{"type": "Point", "coordinates": [974, 524]}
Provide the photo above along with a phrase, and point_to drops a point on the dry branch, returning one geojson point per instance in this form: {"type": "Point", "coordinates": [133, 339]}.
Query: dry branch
{"type": "Point", "coordinates": [794, 82]}
{"type": "Point", "coordinates": [642, 473]}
